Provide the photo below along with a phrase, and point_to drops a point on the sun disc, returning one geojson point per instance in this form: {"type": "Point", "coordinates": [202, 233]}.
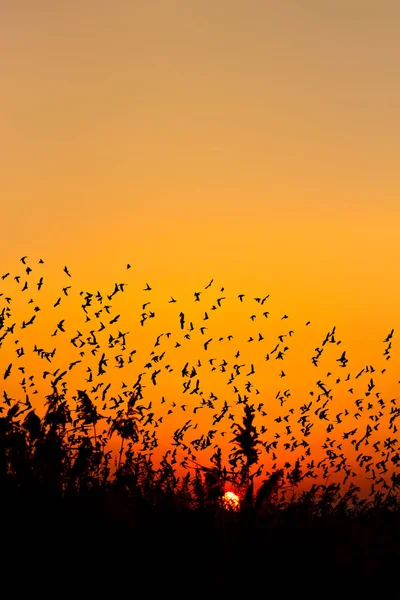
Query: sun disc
{"type": "Point", "coordinates": [230, 501]}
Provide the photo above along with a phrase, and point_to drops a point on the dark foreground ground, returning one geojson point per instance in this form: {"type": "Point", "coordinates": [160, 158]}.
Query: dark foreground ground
{"type": "Point", "coordinates": [59, 549]}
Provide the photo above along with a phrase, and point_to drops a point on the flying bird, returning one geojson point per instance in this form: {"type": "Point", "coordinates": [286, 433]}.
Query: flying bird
{"type": "Point", "coordinates": [7, 371]}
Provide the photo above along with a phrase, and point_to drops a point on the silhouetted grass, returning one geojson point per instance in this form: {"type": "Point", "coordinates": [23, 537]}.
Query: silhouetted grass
{"type": "Point", "coordinates": [60, 507]}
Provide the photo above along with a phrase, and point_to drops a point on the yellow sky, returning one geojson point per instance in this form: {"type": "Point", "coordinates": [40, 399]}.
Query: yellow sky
{"type": "Point", "coordinates": [255, 143]}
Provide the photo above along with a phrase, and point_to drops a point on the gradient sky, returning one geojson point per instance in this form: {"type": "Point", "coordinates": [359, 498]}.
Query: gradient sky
{"type": "Point", "coordinates": [253, 142]}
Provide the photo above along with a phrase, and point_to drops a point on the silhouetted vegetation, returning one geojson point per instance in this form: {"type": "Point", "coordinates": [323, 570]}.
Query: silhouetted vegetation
{"type": "Point", "coordinates": [58, 497]}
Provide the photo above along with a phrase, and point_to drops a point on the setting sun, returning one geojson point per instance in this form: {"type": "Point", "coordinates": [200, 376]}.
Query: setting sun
{"type": "Point", "coordinates": [230, 501]}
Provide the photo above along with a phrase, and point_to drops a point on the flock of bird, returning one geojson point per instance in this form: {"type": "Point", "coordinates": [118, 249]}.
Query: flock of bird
{"type": "Point", "coordinates": [355, 436]}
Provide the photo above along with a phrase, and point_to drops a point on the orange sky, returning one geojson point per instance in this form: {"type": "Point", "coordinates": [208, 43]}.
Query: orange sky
{"type": "Point", "coordinates": [253, 143]}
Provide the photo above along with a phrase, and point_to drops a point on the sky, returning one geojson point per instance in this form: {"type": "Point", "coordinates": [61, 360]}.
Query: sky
{"type": "Point", "coordinates": [253, 143]}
